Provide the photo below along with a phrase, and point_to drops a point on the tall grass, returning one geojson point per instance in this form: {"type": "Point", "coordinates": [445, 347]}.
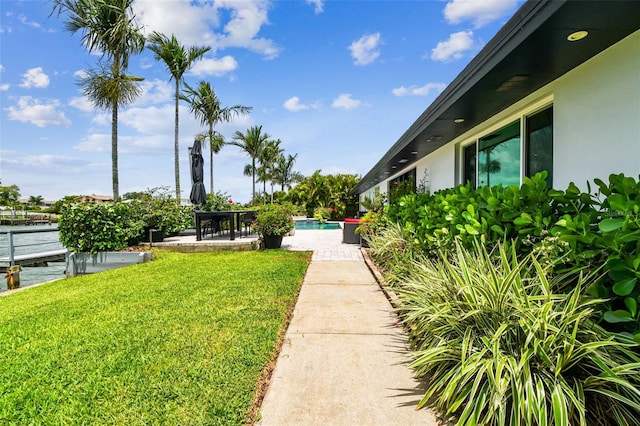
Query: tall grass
{"type": "Point", "coordinates": [178, 341]}
{"type": "Point", "coordinates": [500, 348]}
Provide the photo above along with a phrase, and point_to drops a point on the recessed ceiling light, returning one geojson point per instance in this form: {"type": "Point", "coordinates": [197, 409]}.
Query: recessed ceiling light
{"type": "Point", "coordinates": [578, 35]}
{"type": "Point", "coordinates": [414, 152]}
{"type": "Point", "coordinates": [386, 173]}
{"type": "Point", "coordinates": [394, 167]}
{"type": "Point", "coordinates": [403, 160]}
{"type": "Point", "coordinates": [459, 120]}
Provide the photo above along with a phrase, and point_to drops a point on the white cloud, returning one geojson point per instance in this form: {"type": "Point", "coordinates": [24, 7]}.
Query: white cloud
{"type": "Point", "coordinates": [156, 91]}
{"type": "Point", "coordinates": [480, 12]}
{"type": "Point", "coordinates": [152, 120]}
{"type": "Point", "coordinates": [453, 48]}
{"type": "Point", "coordinates": [345, 101]}
{"type": "Point", "coordinates": [201, 23]}
{"type": "Point", "coordinates": [191, 26]}
{"type": "Point", "coordinates": [52, 161]}
{"type": "Point", "coordinates": [30, 110]}
{"type": "Point", "coordinates": [419, 91]}
{"type": "Point", "coordinates": [24, 21]}
{"type": "Point", "coordinates": [82, 103]}
{"type": "Point", "coordinates": [217, 67]}
{"type": "Point", "coordinates": [34, 77]}
{"type": "Point", "coordinates": [365, 50]}
{"type": "Point", "coordinates": [97, 142]}
{"type": "Point", "coordinates": [318, 5]}
{"type": "Point", "coordinates": [241, 31]}
{"type": "Point", "coordinates": [293, 104]}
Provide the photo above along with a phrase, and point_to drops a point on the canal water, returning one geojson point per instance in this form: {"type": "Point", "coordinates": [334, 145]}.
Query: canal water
{"type": "Point", "coordinates": [32, 243]}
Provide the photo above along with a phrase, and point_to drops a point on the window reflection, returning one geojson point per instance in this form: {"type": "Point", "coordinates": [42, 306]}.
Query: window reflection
{"type": "Point", "coordinates": [499, 157]}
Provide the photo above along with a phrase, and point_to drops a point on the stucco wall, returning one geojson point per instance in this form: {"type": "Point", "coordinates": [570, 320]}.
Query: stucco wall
{"type": "Point", "coordinates": [440, 167]}
{"type": "Point", "coordinates": [597, 117]}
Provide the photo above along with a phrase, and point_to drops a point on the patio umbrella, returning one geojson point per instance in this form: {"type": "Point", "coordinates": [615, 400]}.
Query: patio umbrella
{"type": "Point", "coordinates": [198, 194]}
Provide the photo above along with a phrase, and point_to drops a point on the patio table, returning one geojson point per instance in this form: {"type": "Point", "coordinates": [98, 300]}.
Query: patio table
{"type": "Point", "coordinates": [232, 215]}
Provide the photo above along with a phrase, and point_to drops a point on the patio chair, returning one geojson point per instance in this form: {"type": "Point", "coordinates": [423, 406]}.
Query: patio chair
{"type": "Point", "coordinates": [247, 220]}
{"type": "Point", "coordinates": [207, 227]}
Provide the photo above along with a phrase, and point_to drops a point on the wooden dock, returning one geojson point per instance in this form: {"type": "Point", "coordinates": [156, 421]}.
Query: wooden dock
{"type": "Point", "coordinates": [34, 259]}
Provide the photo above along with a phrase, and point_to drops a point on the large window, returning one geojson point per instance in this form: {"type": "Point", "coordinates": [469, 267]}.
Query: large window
{"type": "Point", "coordinates": [539, 144]}
{"type": "Point", "coordinates": [469, 171]}
{"type": "Point", "coordinates": [496, 158]}
{"type": "Point", "coordinates": [499, 157]}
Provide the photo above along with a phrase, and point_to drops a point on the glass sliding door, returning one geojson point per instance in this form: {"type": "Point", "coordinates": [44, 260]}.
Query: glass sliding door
{"type": "Point", "coordinates": [499, 157]}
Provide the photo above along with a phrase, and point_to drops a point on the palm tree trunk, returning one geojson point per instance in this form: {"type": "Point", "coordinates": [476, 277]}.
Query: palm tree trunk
{"type": "Point", "coordinates": [176, 147]}
{"type": "Point", "coordinates": [114, 152]}
{"type": "Point", "coordinates": [211, 167]}
{"type": "Point", "coordinates": [253, 177]}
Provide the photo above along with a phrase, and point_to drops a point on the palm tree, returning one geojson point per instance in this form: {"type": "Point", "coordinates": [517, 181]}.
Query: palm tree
{"type": "Point", "coordinates": [268, 158]}
{"type": "Point", "coordinates": [107, 26]}
{"type": "Point", "coordinates": [178, 60]}
{"type": "Point", "coordinates": [35, 200]}
{"type": "Point", "coordinates": [284, 173]}
{"type": "Point", "coordinates": [108, 91]}
{"type": "Point", "coordinates": [205, 106]}
{"type": "Point", "coordinates": [252, 143]}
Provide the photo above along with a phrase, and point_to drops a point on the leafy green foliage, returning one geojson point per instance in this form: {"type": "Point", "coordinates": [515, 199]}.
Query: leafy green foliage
{"type": "Point", "coordinates": [218, 201]}
{"type": "Point", "coordinates": [94, 227]}
{"type": "Point", "coordinates": [400, 189]}
{"type": "Point", "coordinates": [334, 191]}
{"type": "Point", "coordinates": [570, 229]}
{"type": "Point", "coordinates": [159, 210]}
{"type": "Point", "coordinates": [9, 195]}
{"type": "Point", "coordinates": [57, 206]}
{"type": "Point", "coordinates": [273, 219]}
{"type": "Point", "coordinates": [499, 347]}
{"type": "Point", "coordinates": [157, 343]}
{"type": "Point", "coordinates": [322, 213]}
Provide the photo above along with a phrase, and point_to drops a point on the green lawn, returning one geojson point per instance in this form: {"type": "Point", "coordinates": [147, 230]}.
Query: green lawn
{"type": "Point", "coordinates": [178, 341]}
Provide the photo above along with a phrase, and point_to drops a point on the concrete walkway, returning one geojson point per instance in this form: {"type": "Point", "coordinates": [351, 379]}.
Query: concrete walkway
{"type": "Point", "coordinates": [343, 361]}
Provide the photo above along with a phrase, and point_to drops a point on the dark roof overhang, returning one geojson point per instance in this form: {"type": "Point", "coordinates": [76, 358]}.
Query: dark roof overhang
{"type": "Point", "coordinates": [529, 52]}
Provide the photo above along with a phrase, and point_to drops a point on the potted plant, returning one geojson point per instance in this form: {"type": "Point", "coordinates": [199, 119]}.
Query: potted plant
{"type": "Point", "coordinates": [273, 221]}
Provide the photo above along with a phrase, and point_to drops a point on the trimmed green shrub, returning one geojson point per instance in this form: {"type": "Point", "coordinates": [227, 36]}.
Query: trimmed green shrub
{"type": "Point", "coordinates": [499, 347]}
{"type": "Point", "coordinates": [574, 230]}
{"type": "Point", "coordinates": [94, 227]}
{"type": "Point", "coordinates": [273, 219]}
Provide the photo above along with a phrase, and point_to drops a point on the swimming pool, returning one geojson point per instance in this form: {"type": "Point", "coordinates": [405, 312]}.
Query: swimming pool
{"type": "Point", "coordinates": [313, 224]}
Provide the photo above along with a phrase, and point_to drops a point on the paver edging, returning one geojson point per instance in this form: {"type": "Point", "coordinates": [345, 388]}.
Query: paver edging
{"type": "Point", "coordinates": [391, 295]}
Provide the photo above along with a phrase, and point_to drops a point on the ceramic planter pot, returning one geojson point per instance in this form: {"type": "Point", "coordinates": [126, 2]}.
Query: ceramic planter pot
{"type": "Point", "coordinates": [272, 241]}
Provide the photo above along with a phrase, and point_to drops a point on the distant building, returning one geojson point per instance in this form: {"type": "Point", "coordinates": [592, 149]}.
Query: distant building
{"type": "Point", "coordinates": [557, 89]}
{"type": "Point", "coordinates": [93, 198]}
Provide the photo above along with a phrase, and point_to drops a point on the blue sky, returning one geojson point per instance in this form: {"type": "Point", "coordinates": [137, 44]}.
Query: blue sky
{"type": "Point", "coordinates": [338, 82]}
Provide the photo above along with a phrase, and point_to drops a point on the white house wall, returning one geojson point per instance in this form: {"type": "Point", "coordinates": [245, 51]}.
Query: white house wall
{"type": "Point", "coordinates": [440, 167]}
{"type": "Point", "coordinates": [597, 117]}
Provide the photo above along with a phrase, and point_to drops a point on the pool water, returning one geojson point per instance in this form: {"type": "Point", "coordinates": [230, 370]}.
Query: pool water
{"type": "Point", "coordinates": [313, 224]}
